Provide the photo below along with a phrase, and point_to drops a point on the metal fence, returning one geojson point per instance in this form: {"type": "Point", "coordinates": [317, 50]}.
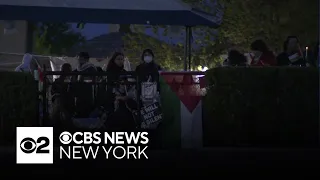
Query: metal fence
{"type": "Point", "coordinates": [94, 75]}
{"type": "Point", "coordinates": [189, 82]}
{"type": "Point", "coordinates": [9, 61]}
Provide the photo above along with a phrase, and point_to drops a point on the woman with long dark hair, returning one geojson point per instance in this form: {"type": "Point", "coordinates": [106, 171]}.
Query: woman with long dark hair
{"type": "Point", "coordinates": [292, 54]}
{"type": "Point", "coordinates": [262, 56]}
{"type": "Point", "coordinates": [121, 116]}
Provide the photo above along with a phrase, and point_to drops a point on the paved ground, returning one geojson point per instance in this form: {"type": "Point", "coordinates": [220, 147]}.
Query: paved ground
{"type": "Point", "coordinates": [226, 159]}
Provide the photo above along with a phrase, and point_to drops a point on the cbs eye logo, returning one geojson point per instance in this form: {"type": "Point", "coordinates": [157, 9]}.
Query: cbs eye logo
{"type": "Point", "coordinates": [29, 145]}
{"type": "Point", "coordinates": [65, 137]}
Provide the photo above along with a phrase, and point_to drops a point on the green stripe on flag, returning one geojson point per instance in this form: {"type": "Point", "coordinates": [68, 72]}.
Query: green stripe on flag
{"type": "Point", "coordinates": [171, 127]}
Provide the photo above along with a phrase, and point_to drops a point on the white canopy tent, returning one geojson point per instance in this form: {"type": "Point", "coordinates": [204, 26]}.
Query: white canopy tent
{"type": "Point", "coordinates": [152, 12]}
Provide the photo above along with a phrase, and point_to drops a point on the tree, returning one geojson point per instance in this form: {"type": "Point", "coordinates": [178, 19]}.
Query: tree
{"type": "Point", "coordinates": [56, 38]}
{"type": "Point", "coordinates": [168, 56]}
{"type": "Point", "coordinates": [247, 20]}
{"type": "Point", "coordinates": [125, 28]}
{"type": "Point", "coordinates": [243, 22]}
{"type": "Point", "coordinates": [272, 20]}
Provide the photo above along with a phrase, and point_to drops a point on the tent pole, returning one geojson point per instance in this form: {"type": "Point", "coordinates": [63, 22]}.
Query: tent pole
{"type": "Point", "coordinates": [29, 39]}
{"type": "Point", "coordinates": [185, 67]}
{"type": "Point", "coordinates": [189, 46]}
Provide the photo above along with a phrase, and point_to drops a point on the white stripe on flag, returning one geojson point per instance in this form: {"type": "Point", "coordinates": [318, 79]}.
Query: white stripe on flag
{"type": "Point", "coordinates": [191, 126]}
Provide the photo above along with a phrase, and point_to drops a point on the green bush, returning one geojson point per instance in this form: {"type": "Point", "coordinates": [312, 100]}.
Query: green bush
{"type": "Point", "coordinates": [18, 107]}
{"type": "Point", "coordinates": [271, 107]}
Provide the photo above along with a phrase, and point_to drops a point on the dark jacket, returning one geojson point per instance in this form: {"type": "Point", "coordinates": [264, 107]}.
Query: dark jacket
{"type": "Point", "coordinates": [61, 89]}
{"type": "Point", "coordinates": [114, 79]}
{"type": "Point", "coordinates": [84, 92]}
{"type": "Point", "coordinates": [151, 70]}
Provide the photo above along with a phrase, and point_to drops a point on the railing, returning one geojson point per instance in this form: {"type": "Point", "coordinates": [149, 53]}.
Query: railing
{"type": "Point", "coordinates": [95, 84]}
{"type": "Point", "coordinates": [191, 84]}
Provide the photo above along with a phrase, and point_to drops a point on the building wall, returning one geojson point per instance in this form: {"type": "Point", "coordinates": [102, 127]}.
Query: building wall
{"type": "Point", "coordinates": [15, 42]}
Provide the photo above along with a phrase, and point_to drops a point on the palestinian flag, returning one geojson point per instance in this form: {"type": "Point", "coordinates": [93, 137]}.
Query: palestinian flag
{"type": "Point", "coordinates": [182, 109]}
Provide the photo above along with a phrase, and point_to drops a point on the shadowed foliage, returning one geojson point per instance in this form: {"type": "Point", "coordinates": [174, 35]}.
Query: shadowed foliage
{"type": "Point", "coordinates": [262, 107]}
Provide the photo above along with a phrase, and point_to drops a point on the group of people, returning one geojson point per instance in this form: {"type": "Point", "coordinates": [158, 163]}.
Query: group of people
{"type": "Point", "coordinates": [115, 94]}
{"type": "Point", "coordinates": [261, 55]}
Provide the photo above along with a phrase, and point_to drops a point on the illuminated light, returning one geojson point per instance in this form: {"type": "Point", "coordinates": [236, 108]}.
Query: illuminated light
{"type": "Point", "coordinates": [199, 68]}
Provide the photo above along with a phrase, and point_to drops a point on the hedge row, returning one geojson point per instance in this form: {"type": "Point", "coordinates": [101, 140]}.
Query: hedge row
{"type": "Point", "coordinates": [262, 107]}
{"type": "Point", "coordinates": [18, 96]}
{"type": "Point", "coordinates": [243, 106]}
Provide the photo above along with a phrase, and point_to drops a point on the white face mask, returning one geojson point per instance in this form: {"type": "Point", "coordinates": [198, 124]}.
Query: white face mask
{"type": "Point", "coordinates": [147, 59]}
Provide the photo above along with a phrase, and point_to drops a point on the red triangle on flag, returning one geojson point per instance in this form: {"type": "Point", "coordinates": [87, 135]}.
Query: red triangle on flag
{"type": "Point", "coordinates": [185, 89]}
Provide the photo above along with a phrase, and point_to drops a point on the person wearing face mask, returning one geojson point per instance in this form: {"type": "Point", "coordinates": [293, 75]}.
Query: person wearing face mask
{"type": "Point", "coordinates": [262, 56]}
{"type": "Point", "coordinates": [148, 74]}
{"type": "Point", "coordinates": [292, 54]}
{"type": "Point", "coordinates": [148, 70]}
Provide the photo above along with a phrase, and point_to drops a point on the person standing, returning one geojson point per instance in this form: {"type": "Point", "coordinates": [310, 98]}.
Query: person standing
{"type": "Point", "coordinates": [84, 91]}
{"type": "Point", "coordinates": [118, 98]}
{"type": "Point", "coordinates": [62, 99]}
{"type": "Point", "coordinates": [148, 71]}
{"type": "Point", "coordinates": [149, 77]}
